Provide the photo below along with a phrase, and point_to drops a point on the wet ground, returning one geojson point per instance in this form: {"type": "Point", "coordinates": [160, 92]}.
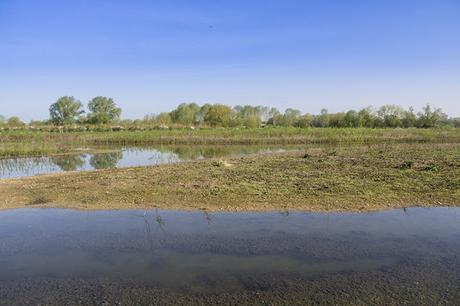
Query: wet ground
{"type": "Point", "coordinates": [53, 256]}
{"type": "Point", "coordinates": [120, 157]}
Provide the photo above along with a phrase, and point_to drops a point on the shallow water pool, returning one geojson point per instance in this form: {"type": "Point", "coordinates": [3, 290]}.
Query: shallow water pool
{"type": "Point", "coordinates": [106, 158]}
{"type": "Point", "coordinates": [65, 256]}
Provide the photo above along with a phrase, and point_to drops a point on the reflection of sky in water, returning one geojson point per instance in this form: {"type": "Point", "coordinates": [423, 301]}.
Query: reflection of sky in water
{"type": "Point", "coordinates": [193, 247]}
{"type": "Point", "coordinates": [149, 157]}
{"type": "Point", "coordinates": [21, 167]}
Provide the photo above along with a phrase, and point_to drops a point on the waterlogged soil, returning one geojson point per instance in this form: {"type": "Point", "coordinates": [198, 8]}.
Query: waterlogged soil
{"type": "Point", "coordinates": [55, 256]}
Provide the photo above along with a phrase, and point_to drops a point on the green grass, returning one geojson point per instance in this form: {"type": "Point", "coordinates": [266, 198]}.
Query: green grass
{"type": "Point", "coordinates": [36, 143]}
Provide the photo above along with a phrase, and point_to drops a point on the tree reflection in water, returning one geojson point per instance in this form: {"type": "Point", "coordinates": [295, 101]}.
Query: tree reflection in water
{"type": "Point", "coordinates": [105, 160]}
{"type": "Point", "coordinates": [68, 162]}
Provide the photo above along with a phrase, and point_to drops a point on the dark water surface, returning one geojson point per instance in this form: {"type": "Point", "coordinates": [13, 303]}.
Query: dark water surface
{"type": "Point", "coordinates": [119, 157]}
{"type": "Point", "coordinates": [172, 257]}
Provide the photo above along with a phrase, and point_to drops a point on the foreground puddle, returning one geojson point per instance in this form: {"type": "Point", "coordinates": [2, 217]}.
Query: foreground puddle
{"type": "Point", "coordinates": [64, 256]}
{"type": "Point", "coordinates": [107, 158]}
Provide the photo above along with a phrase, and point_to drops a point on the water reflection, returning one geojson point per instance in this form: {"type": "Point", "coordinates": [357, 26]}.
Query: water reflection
{"type": "Point", "coordinates": [68, 162]}
{"type": "Point", "coordinates": [207, 217]}
{"type": "Point", "coordinates": [245, 257]}
{"type": "Point", "coordinates": [107, 158]}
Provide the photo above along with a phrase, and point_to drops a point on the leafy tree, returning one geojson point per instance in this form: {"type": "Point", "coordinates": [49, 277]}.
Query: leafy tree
{"type": "Point", "coordinates": [351, 119]}
{"type": "Point", "coordinates": [252, 121]}
{"type": "Point", "coordinates": [322, 120]}
{"type": "Point", "coordinates": [65, 110]}
{"type": "Point", "coordinates": [431, 118]}
{"type": "Point", "coordinates": [163, 119]}
{"type": "Point", "coordinates": [456, 122]}
{"type": "Point", "coordinates": [337, 120]}
{"type": "Point", "coordinates": [236, 122]}
{"type": "Point", "coordinates": [409, 118]}
{"type": "Point", "coordinates": [391, 115]}
{"type": "Point", "coordinates": [218, 115]}
{"type": "Point", "coordinates": [202, 113]}
{"type": "Point", "coordinates": [367, 117]}
{"type": "Point", "coordinates": [263, 112]}
{"type": "Point", "coordinates": [186, 114]}
{"type": "Point", "coordinates": [249, 116]}
{"type": "Point", "coordinates": [15, 122]}
{"type": "Point", "coordinates": [103, 110]}
{"type": "Point", "coordinates": [274, 116]}
{"type": "Point", "coordinates": [290, 117]}
{"type": "Point", "coordinates": [304, 121]}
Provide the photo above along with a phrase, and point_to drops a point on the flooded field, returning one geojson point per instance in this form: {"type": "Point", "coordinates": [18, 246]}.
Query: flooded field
{"type": "Point", "coordinates": [392, 257]}
{"type": "Point", "coordinates": [119, 157]}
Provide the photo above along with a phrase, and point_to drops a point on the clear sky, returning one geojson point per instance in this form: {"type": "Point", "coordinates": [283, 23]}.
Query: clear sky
{"type": "Point", "coordinates": [150, 55]}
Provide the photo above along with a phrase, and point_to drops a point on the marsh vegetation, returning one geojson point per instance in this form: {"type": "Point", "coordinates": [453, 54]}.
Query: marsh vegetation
{"type": "Point", "coordinates": [36, 143]}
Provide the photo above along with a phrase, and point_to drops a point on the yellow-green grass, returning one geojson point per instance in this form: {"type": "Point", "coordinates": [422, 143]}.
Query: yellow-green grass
{"type": "Point", "coordinates": [36, 143]}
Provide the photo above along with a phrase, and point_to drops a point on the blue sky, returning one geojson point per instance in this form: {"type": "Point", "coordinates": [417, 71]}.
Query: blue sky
{"type": "Point", "coordinates": [152, 55]}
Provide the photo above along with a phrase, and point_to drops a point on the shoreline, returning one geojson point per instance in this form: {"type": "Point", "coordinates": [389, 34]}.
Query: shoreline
{"type": "Point", "coordinates": [255, 211]}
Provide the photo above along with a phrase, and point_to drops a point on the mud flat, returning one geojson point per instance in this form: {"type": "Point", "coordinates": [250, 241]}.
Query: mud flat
{"type": "Point", "coordinates": [337, 178]}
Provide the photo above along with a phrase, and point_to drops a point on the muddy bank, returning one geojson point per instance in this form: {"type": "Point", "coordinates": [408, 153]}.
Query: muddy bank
{"type": "Point", "coordinates": [350, 178]}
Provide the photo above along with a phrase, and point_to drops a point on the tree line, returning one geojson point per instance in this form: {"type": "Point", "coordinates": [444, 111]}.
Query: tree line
{"type": "Point", "coordinates": [104, 111]}
{"type": "Point", "coordinates": [218, 115]}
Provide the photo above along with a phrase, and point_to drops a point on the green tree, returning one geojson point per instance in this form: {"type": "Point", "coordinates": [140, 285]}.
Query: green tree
{"type": "Point", "coordinates": [163, 119]}
{"type": "Point", "coordinates": [289, 117]}
{"type": "Point", "coordinates": [391, 115]}
{"type": "Point", "coordinates": [322, 120]}
{"type": "Point", "coordinates": [352, 119]}
{"type": "Point", "coordinates": [218, 115]}
{"type": "Point", "coordinates": [456, 122]}
{"type": "Point", "coordinates": [367, 117]}
{"type": "Point", "coordinates": [202, 113]}
{"type": "Point", "coordinates": [274, 116]}
{"type": "Point", "coordinates": [409, 118]}
{"type": "Point", "coordinates": [103, 110]}
{"type": "Point", "coordinates": [249, 116]}
{"type": "Point", "coordinates": [15, 122]}
{"type": "Point", "coordinates": [263, 112]}
{"type": "Point", "coordinates": [304, 121]}
{"type": "Point", "coordinates": [337, 120]}
{"type": "Point", "coordinates": [65, 110]}
{"type": "Point", "coordinates": [431, 118]}
{"type": "Point", "coordinates": [252, 121]}
{"type": "Point", "coordinates": [186, 114]}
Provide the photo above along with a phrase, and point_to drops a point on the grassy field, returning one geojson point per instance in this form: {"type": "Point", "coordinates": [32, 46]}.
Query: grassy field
{"type": "Point", "coordinates": [35, 143]}
{"type": "Point", "coordinates": [342, 178]}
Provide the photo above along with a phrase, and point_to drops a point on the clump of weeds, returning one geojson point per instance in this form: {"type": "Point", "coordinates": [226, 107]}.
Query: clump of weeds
{"type": "Point", "coordinates": [430, 167]}
{"type": "Point", "coordinates": [38, 200]}
{"type": "Point", "coordinates": [407, 164]}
